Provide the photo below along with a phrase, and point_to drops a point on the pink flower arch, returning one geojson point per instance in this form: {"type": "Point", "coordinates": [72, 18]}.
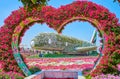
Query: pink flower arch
{"type": "Point", "coordinates": [20, 20]}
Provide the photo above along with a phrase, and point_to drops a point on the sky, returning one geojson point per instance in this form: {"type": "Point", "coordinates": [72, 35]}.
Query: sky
{"type": "Point", "coordinates": [80, 30]}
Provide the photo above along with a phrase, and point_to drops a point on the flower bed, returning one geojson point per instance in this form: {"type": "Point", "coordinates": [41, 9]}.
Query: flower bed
{"type": "Point", "coordinates": [58, 78]}
{"type": "Point", "coordinates": [107, 76]}
{"type": "Point", "coordinates": [78, 63]}
{"type": "Point", "coordinates": [11, 75]}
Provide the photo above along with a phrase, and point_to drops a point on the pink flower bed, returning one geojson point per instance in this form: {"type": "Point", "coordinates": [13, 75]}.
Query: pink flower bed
{"type": "Point", "coordinates": [106, 76]}
{"type": "Point", "coordinates": [78, 63]}
{"type": "Point", "coordinates": [11, 75]}
{"type": "Point", "coordinates": [58, 78]}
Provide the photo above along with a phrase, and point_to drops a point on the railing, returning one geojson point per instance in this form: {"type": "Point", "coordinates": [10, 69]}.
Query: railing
{"type": "Point", "coordinates": [57, 74]}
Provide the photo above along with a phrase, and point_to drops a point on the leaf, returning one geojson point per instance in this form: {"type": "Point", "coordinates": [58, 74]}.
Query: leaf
{"type": "Point", "coordinates": [34, 1]}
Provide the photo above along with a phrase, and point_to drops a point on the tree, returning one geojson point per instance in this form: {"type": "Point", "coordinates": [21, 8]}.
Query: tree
{"type": "Point", "coordinates": [117, 1]}
{"type": "Point", "coordinates": [30, 3]}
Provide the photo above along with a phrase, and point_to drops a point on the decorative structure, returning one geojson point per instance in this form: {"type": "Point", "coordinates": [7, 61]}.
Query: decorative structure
{"type": "Point", "coordinates": [65, 44]}
{"type": "Point", "coordinates": [20, 20]}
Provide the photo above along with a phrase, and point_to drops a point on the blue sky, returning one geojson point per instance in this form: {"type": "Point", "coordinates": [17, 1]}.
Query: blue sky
{"type": "Point", "coordinates": [80, 30]}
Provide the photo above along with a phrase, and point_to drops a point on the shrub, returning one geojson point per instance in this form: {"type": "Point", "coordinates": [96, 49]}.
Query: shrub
{"type": "Point", "coordinates": [34, 69]}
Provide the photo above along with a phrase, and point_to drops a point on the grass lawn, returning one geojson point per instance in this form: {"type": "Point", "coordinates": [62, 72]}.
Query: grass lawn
{"type": "Point", "coordinates": [51, 56]}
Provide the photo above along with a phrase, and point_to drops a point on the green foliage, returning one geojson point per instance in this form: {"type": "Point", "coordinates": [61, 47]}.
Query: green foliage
{"type": "Point", "coordinates": [10, 75]}
{"type": "Point", "coordinates": [86, 72]}
{"type": "Point", "coordinates": [116, 1]}
{"type": "Point", "coordinates": [34, 69]}
{"type": "Point", "coordinates": [29, 4]}
{"type": "Point", "coordinates": [93, 53]}
{"type": "Point", "coordinates": [116, 30]}
{"type": "Point", "coordinates": [112, 66]}
{"type": "Point", "coordinates": [33, 2]}
{"type": "Point", "coordinates": [88, 77]}
{"type": "Point", "coordinates": [56, 55]}
{"type": "Point", "coordinates": [110, 70]}
{"type": "Point", "coordinates": [33, 56]}
{"type": "Point", "coordinates": [116, 58]}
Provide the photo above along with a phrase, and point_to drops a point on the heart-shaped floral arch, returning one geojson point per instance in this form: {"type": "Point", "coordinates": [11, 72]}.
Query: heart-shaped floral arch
{"type": "Point", "coordinates": [20, 20]}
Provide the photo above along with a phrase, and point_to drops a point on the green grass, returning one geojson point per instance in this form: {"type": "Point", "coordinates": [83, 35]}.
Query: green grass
{"type": "Point", "coordinates": [51, 56]}
{"type": "Point", "coordinates": [34, 56]}
{"type": "Point", "coordinates": [56, 55]}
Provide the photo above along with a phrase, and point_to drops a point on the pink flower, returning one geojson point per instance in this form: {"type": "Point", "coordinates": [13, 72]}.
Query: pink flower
{"type": "Point", "coordinates": [118, 67]}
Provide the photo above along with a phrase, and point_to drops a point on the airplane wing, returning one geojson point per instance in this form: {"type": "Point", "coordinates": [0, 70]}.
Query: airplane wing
{"type": "Point", "coordinates": [82, 49]}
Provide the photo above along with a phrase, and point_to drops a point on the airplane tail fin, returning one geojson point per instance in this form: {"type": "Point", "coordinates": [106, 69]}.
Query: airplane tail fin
{"type": "Point", "coordinates": [94, 37]}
